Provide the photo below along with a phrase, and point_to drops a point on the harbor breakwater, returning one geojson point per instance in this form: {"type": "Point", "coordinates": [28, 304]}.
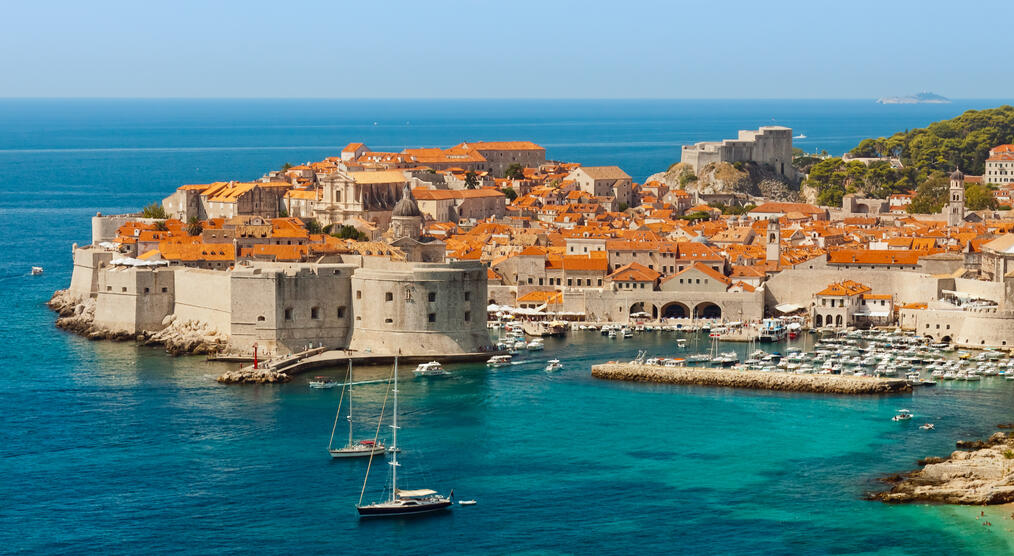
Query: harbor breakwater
{"type": "Point", "coordinates": [756, 380]}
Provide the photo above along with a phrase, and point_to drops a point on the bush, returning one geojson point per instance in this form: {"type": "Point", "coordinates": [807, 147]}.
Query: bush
{"type": "Point", "coordinates": [349, 232]}
{"type": "Point", "coordinates": [154, 210]}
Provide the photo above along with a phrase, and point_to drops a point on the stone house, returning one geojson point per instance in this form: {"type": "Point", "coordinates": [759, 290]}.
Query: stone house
{"type": "Point", "coordinates": [603, 181]}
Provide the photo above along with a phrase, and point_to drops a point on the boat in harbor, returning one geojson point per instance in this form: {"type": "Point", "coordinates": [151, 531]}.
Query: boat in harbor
{"type": "Point", "coordinates": [433, 368]}
{"type": "Point", "coordinates": [553, 365]}
{"type": "Point", "coordinates": [322, 382]}
{"type": "Point", "coordinates": [499, 361]}
{"type": "Point", "coordinates": [772, 330]}
{"type": "Point", "coordinates": [354, 448]}
{"type": "Point", "coordinates": [402, 502]}
{"type": "Point", "coordinates": [536, 345]}
{"type": "Point", "coordinates": [36, 270]}
{"type": "Point", "coordinates": [903, 415]}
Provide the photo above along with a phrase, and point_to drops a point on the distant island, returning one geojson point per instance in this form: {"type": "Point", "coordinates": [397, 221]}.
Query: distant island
{"type": "Point", "coordinates": [918, 98]}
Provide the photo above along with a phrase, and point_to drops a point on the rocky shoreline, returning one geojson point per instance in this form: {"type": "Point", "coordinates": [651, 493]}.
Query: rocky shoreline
{"type": "Point", "coordinates": [978, 473]}
{"type": "Point", "coordinates": [249, 375]}
{"type": "Point", "coordinates": [786, 382]}
{"type": "Point", "coordinates": [178, 337]}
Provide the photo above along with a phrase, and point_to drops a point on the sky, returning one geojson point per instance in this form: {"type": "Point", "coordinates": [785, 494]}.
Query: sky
{"type": "Point", "coordinates": [505, 49]}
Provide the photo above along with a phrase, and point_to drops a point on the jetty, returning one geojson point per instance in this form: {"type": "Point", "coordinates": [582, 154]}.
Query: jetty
{"type": "Point", "coordinates": [282, 369]}
{"type": "Point", "coordinates": [756, 380]}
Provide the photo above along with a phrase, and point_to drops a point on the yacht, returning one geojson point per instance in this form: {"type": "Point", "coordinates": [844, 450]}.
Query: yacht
{"type": "Point", "coordinates": [401, 502]}
{"type": "Point", "coordinates": [554, 365]}
{"type": "Point", "coordinates": [536, 345]}
{"type": "Point", "coordinates": [499, 361]}
{"type": "Point", "coordinates": [354, 448]}
{"type": "Point", "coordinates": [772, 330]}
{"type": "Point", "coordinates": [432, 368]}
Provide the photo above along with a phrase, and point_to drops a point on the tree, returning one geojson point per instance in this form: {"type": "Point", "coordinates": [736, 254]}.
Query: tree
{"type": "Point", "coordinates": [471, 180]}
{"type": "Point", "coordinates": [510, 193]}
{"type": "Point", "coordinates": [154, 210]}
{"type": "Point", "coordinates": [312, 226]}
{"type": "Point", "coordinates": [286, 166]}
{"type": "Point", "coordinates": [515, 172]}
{"type": "Point", "coordinates": [349, 232]}
{"type": "Point", "coordinates": [194, 226]}
{"type": "Point", "coordinates": [623, 207]}
{"type": "Point", "coordinates": [979, 197]}
{"type": "Point", "coordinates": [931, 195]}
{"type": "Point", "coordinates": [686, 178]}
{"type": "Point", "coordinates": [697, 215]}
{"type": "Point", "coordinates": [160, 226]}
{"type": "Point", "coordinates": [282, 213]}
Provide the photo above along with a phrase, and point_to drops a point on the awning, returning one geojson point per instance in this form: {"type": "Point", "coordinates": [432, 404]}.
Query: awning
{"type": "Point", "coordinates": [787, 308]}
{"type": "Point", "coordinates": [416, 493]}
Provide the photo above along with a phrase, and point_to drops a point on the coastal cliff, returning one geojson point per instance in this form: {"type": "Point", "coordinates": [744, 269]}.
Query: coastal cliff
{"type": "Point", "coordinates": [757, 380]}
{"type": "Point", "coordinates": [981, 473]}
{"type": "Point", "coordinates": [744, 179]}
{"type": "Point", "coordinates": [178, 337]}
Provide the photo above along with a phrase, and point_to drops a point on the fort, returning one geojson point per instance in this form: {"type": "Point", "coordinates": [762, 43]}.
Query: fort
{"type": "Point", "coordinates": [771, 145]}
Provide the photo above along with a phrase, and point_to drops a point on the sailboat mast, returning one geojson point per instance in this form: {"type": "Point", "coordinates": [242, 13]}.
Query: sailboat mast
{"type": "Point", "coordinates": [394, 437]}
{"type": "Point", "coordinates": [350, 401]}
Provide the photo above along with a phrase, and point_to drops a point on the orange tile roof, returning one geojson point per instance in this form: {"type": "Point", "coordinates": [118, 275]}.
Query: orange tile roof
{"type": "Point", "coordinates": [845, 287]}
{"type": "Point", "coordinates": [634, 272]}
{"type": "Point", "coordinates": [705, 269]}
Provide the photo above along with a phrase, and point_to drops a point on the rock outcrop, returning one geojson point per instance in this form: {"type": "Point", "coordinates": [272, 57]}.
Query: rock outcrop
{"type": "Point", "coordinates": [77, 315]}
{"type": "Point", "coordinates": [757, 380]}
{"type": "Point", "coordinates": [746, 180]}
{"type": "Point", "coordinates": [982, 475]}
{"type": "Point", "coordinates": [249, 375]}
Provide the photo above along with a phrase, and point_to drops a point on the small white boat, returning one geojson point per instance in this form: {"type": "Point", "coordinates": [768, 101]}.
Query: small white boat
{"type": "Point", "coordinates": [467, 502]}
{"type": "Point", "coordinates": [903, 415]}
{"type": "Point", "coordinates": [927, 427]}
{"type": "Point", "coordinates": [36, 270]}
{"type": "Point", "coordinates": [499, 361]}
{"type": "Point", "coordinates": [554, 365]}
{"type": "Point", "coordinates": [432, 368]}
{"type": "Point", "coordinates": [536, 345]}
{"type": "Point", "coordinates": [321, 382]}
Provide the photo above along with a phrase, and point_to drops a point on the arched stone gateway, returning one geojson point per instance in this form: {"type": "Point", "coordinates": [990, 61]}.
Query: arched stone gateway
{"type": "Point", "coordinates": [637, 308]}
{"type": "Point", "coordinates": [946, 339]}
{"type": "Point", "coordinates": [675, 310]}
{"type": "Point", "coordinates": [837, 321]}
{"type": "Point", "coordinates": [707, 310]}
{"type": "Point", "coordinates": [819, 321]}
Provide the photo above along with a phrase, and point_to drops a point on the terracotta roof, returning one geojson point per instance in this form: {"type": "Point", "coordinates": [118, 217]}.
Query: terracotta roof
{"type": "Point", "coordinates": [845, 287]}
{"type": "Point", "coordinates": [605, 172]}
{"type": "Point", "coordinates": [774, 207]}
{"type": "Point", "coordinates": [380, 176]}
{"type": "Point", "coordinates": [876, 256]}
{"type": "Point", "coordinates": [634, 272]}
{"type": "Point", "coordinates": [705, 269]}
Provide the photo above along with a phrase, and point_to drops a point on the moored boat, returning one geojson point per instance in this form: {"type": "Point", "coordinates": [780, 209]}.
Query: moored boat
{"type": "Point", "coordinates": [433, 368]}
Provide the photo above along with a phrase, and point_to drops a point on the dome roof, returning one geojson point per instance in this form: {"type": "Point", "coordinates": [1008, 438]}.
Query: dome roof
{"type": "Point", "coordinates": [407, 205]}
{"type": "Point", "coordinates": [957, 175]}
{"type": "Point", "coordinates": [699, 239]}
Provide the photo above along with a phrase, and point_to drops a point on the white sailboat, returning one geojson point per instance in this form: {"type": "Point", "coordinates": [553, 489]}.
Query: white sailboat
{"type": "Point", "coordinates": [354, 448]}
{"type": "Point", "coordinates": [401, 502]}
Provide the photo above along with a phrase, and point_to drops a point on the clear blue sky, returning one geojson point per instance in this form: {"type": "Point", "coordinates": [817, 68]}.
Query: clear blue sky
{"type": "Point", "coordinates": [509, 49]}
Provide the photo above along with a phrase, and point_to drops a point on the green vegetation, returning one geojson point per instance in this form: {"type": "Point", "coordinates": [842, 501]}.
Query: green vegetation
{"type": "Point", "coordinates": [349, 232]}
{"type": "Point", "coordinates": [510, 193]}
{"type": "Point", "coordinates": [282, 213]}
{"type": "Point", "coordinates": [154, 210]}
{"type": "Point", "coordinates": [194, 226]}
{"type": "Point", "coordinates": [160, 226]}
{"type": "Point", "coordinates": [286, 166]}
{"type": "Point", "coordinates": [471, 180]}
{"type": "Point", "coordinates": [313, 226]}
{"type": "Point", "coordinates": [515, 172]}
{"type": "Point", "coordinates": [962, 142]}
{"type": "Point", "coordinates": [979, 197]}
{"type": "Point", "coordinates": [623, 207]}
{"type": "Point", "coordinates": [687, 177]}
{"type": "Point", "coordinates": [696, 216]}
{"type": "Point", "coordinates": [734, 209]}
{"type": "Point", "coordinates": [834, 178]}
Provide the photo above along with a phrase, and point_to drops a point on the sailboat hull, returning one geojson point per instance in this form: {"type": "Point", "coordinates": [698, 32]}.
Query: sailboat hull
{"type": "Point", "coordinates": [404, 508]}
{"type": "Point", "coordinates": [357, 452]}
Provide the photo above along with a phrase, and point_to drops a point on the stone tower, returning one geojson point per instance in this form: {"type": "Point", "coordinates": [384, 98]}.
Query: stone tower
{"type": "Point", "coordinates": [774, 252]}
{"type": "Point", "coordinates": [956, 199]}
{"type": "Point", "coordinates": [406, 218]}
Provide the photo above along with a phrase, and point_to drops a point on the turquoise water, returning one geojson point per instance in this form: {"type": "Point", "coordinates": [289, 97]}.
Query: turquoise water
{"type": "Point", "coordinates": [114, 448]}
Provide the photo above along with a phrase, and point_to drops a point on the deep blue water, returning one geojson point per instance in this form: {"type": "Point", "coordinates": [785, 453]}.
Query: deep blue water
{"type": "Point", "coordinates": [113, 448]}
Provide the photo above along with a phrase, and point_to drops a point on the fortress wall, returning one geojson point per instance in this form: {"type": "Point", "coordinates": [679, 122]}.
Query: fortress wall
{"type": "Point", "coordinates": [133, 299]}
{"type": "Point", "coordinates": [104, 227]}
{"type": "Point", "coordinates": [994, 291]}
{"type": "Point", "coordinates": [979, 329]}
{"type": "Point", "coordinates": [204, 296]}
{"type": "Point", "coordinates": [420, 308]}
{"type": "Point", "coordinates": [84, 281]}
{"type": "Point", "coordinates": [799, 285]}
{"type": "Point", "coordinates": [608, 305]}
{"type": "Point", "coordinates": [284, 309]}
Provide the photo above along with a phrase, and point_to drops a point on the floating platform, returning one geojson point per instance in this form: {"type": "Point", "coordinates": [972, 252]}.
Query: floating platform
{"type": "Point", "coordinates": [756, 380]}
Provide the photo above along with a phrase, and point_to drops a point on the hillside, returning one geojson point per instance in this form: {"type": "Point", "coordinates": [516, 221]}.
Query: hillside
{"type": "Point", "coordinates": [745, 179]}
{"type": "Point", "coordinates": [918, 98]}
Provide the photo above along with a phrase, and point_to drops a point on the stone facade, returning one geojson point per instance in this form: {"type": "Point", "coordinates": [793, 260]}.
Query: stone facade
{"type": "Point", "coordinates": [770, 145]}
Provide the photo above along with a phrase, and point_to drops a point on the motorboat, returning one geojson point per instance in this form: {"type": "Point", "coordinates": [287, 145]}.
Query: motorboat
{"type": "Point", "coordinates": [499, 361]}
{"type": "Point", "coordinates": [627, 333]}
{"type": "Point", "coordinates": [536, 345]}
{"type": "Point", "coordinates": [772, 330]}
{"type": "Point", "coordinates": [321, 382]}
{"type": "Point", "coordinates": [467, 502]}
{"type": "Point", "coordinates": [927, 427]}
{"type": "Point", "coordinates": [903, 415]}
{"type": "Point", "coordinates": [433, 368]}
{"type": "Point", "coordinates": [36, 270]}
{"type": "Point", "coordinates": [554, 365]}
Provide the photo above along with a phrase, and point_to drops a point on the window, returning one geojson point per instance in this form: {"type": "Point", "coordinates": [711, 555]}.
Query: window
{"type": "Point", "coordinates": [359, 294]}
{"type": "Point", "coordinates": [388, 321]}
{"type": "Point", "coordinates": [341, 312]}
{"type": "Point", "coordinates": [164, 290]}
{"type": "Point", "coordinates": [432, 317]}
{"type": "Point", "coordinates": [314, 312]}
{"type": "Point", "coordinates": [468, 316]}
{"type": "Point", "coordinates": [123, 289]}
{"type": "Point", "coordinates": [260, 318]}
{"type": "Point", "coordinates": [288, 314]}
{"type": "Point", "coordinates": [388, 296]}
{"type": "Point", "coordinates": [146, 290]}
{"type": "Point", "coordinates": [468, 295]}
{"type": "Point", "coordinates": [431, 297]}
{"type": "Point", "coordinates": [109, 288]}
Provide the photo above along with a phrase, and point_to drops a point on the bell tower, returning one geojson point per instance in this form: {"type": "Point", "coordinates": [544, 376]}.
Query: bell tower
{"type": "Point", "coordinates": [956, 199]}
{"type": "Point", "coordinates": [774, 246]}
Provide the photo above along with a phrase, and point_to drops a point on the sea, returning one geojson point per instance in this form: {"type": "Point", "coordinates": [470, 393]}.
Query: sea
{"type": "Point", "coordinates": [113, 448]}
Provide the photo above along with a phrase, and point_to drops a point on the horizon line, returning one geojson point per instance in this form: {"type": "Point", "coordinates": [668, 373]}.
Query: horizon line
{"type": "Point", "coordinates": [871, 99]}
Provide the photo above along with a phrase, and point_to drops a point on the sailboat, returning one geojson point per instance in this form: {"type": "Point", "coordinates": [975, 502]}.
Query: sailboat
{"type": "Point", "coordinates": [401, 502]}
{"type": "Point", "coordinates": [354, 448]}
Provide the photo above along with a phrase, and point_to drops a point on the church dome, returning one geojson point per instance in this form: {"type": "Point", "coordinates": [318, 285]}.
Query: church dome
{"type": "Point", "coordinates": [407, 205]}
{"type": "Point", "coordinates": [957, 175]}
